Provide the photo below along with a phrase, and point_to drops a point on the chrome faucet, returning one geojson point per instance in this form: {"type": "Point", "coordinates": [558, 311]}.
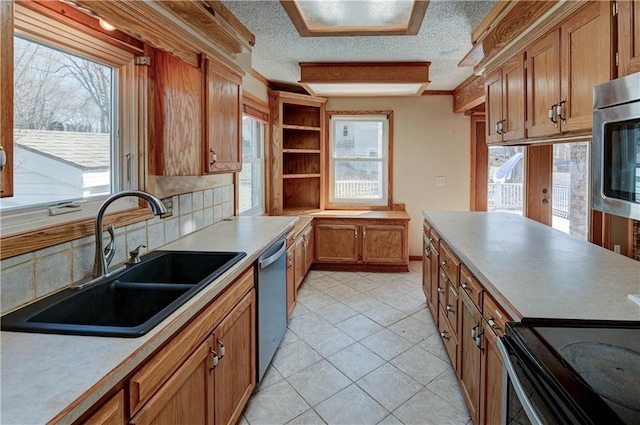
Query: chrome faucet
{"type": "Point", "coordinates": [102, 258]}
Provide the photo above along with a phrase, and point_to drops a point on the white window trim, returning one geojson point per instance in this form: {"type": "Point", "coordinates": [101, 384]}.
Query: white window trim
{"type": "Point", "coordinates": [260, 208]}
{"type": "Point", "coordinates": [32, 25]}
{"type": "Point", "coordinates": [336, 122]}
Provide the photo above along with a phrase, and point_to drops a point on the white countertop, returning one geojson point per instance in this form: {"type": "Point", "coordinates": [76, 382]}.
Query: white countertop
{"type": "Point", "coordinates": [46, 377]}
{"type": "Point", "coordinates": [535, 271]}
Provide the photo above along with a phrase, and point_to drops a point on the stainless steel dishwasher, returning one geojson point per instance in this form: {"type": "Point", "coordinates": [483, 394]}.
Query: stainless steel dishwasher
{"type": "Point", "coordinates": [271, 287]}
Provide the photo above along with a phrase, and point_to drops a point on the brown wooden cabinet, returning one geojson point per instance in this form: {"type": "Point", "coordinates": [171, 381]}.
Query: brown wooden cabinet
{"type": "Point", "coordinates": [309, 246]}
{"type": "Point", "coordinates": [426, 261]}
{"type": "Point", "coordinates": [628, 37]}
{"type": "Point", "coordinates": [223, 119]}
{"type": "Point", "coordinates": [234, 376]}
{"type": "Point", "coordinates": [470, 355]}
{"type": "Point", "coordinates": [291, 282]}
{"type": "Point", "coordinates": [432, 301]}
{"type": "Point", "coordinates": [562, 71]}
{"type": "Point", "coordinates": [298, 261]}
{"type": "Point", "coordinates": [110, 413]}
{"type": "Point", "coordinates": [505, 102]}
{"type": "Point", "coordinates": [362, 244]}
{"type": "Point", "coordinates": [206, 373]}
{"type": "Point", "coordinates": [491, 378]}
{"type": "Point", "coordinates": [297, 165]}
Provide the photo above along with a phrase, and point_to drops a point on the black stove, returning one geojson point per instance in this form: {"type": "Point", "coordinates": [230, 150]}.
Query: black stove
{"type": "Point", "coordinates": [578, 372]}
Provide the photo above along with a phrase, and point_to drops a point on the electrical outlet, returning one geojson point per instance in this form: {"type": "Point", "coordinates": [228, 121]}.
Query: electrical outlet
{"type": "Point", "coordinates": [168, 203]}
{"type": "Point", "coordinates": [616, 249]}
{"type": "Point", "coordinates": [440, 181]}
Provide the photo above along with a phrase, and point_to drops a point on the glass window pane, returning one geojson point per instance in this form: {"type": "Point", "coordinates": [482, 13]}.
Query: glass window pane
{"type": "Point", "coordinates": [570, 197]}
{"type": "Point", "coordinates": [358, 180]}
{"type": "Point", "coordinates": [251, 178]}
{"type": "Point", "coordinates": [62, 126]}
{"type": "Point", "coordinates": [506, 179]}
{"type": "Point", "coordinates": [358, 139]}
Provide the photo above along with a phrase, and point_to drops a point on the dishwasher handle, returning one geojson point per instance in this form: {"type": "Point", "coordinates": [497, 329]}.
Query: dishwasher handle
{"type": "Point", "coordinates": [268, 261]}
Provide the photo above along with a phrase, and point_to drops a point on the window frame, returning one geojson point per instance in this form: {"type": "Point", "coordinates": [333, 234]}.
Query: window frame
{"type": "Point", "coordinates": [31, 228]}
{"type": "Point", "coordinates": [260, 208]}
{"type": "Point", "coordinates": [387, 161]}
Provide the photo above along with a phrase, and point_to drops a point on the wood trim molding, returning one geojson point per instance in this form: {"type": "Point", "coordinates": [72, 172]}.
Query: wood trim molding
{"type": "Point", "coordinates": [364, 72]}
{"type": "Point", "coordinates": [255, 74]}
{"type": "Point", "coordinates": [437, 93]}
{"type": "Point", "coordinates": [479, 164]}
{"type": "Point", "coordinates": [416, 17]}
{"type": "Point", "coordinates": [469, 94]}
{"type": "Point", "coordinates": [60, 233]}
{"type": "Point", "coordinates": [6, 94]}
{"type": "Point", "coordinates": [415, 258]}
{"type": "Point", "coordinates": [255, 107]}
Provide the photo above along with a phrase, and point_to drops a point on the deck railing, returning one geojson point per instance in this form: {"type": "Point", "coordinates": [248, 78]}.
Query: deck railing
{"type": "Point", "coordinates": [508, 197]}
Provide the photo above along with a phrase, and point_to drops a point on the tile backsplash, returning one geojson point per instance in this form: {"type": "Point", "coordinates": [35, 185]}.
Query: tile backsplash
{"type": "Point", "coordinates": [30, 276]}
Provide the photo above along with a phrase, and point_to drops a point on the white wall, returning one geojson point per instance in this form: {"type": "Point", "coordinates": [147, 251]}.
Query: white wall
{"type": "Point", "coordinates": [429, 140]}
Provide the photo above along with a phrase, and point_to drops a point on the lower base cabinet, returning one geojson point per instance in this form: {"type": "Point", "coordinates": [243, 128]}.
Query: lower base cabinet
{"type": "Point", "coordinates": [491, 385]}
{"type": "Point", "coordinates": [110, 413]}
{"type": "Point", "coordinates": [470, 355]}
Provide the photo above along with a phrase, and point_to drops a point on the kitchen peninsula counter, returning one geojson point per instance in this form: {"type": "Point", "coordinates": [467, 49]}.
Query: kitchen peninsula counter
{"type": "Point", "coordinates": [535, 271]}
{"type": "Point", "coordinates": [58, 377]}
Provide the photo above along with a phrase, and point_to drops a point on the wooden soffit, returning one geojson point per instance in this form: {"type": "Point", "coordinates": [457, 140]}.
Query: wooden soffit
{"type": "Point", "coordinates": [332, 18]}
{"type": "Point", "coordinates": [469, 94]}
{"type": "Point", "coordinates": [185, 28]}
{"type": "Point", "coordinates": [366, 78]}
{"type": "Point", "coordinates": [510, 26]}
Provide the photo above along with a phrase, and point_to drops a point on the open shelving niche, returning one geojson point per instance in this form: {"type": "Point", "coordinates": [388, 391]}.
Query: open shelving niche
{"type": "Point", "coordinates": [299, 125]}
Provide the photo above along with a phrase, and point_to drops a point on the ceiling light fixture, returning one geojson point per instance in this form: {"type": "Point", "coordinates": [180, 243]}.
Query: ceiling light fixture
{"type": "Point", "coordinates": [350, 79]}
{"type": "Point", "coordinates": [106, 25]}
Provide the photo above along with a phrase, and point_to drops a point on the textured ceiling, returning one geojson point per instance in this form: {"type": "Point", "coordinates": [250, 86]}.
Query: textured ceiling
{"type": "Point", "coordinates": [444, 39]}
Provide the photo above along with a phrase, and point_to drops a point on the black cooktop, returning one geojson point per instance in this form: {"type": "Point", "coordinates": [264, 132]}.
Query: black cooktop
{"type": "Point", "coordinates": [596, 364]}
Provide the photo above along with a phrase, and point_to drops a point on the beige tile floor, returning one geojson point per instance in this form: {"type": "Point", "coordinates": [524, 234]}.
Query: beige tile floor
{"type": "Point", "coordinates": [361, 348]}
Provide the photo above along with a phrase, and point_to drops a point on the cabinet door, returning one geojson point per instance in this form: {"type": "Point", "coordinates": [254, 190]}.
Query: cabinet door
{"type": "Point", "coordinates": [234, 376]}
{"type": "Point", "coordinates": [628, 37]}
{"type": "Point", "coordinates": [223, 120]}
{"type": "Point", "coordinates": [433, 294]}
{"type": "Point", "coordinates": [513, 99]}
{"type": "Point", "coordinates": [298, 261]}
{"type": "Point", "coordinates": [470, 355]}
{"type": "Point", "coordinates": [426, 268]}
{"type": "Point", "coordinates": [291, 283]}
{"type": "Point", "coordinates": [493, 99]}
{"type": "Point", "coordinates": [585, 33]}
{"type": "Point", "coordinates": [337, 243]}
{"type": "Point", "coordinates": [176, 133]}
{"type": "Point", "coordinates": [308, 248]}
{"type": "Point", "coordinates": [543, 85]}
{"type": "Point", "coordinates": [384, 243]}
{"type": "Point", "coordinates": [491, 382]}
{"type": "Point", "coordinates": [187, 397]}
{"type": "Point", "coordinates": [110, 413]}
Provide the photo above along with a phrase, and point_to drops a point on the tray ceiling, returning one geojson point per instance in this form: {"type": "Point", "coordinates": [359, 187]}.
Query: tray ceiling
{"type": "Point", "coordinates": [443, 39]}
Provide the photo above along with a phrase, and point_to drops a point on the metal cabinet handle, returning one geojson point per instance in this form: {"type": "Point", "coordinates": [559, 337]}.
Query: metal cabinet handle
{"type": "Point", "coordinates": [289, 262]}
{"type": "Point", "coordinates": [478, 341]}
{"type": "Point", "coordinates": [214, 157]}
{"type": "Point", "coordinates": [430, 240]}
{"type": "Point", "coordinates": [355, 231]}
{"type": "Point", "coordinates": [440, 290]}
{"type": "Point", "coordinates": [474, 333]}
{"type": "Point", "coordinates": [449, 308]}
{"type": "Point", "coordinates": [443, 334]}
{"type": "Point", "coordinates": [560, 109]}
{"type": "Point", "coordinates": [552, 114]}
{"type": "Point", "coordinates": [443, 264]}
{"type": "Point", "coordinates": [223, 350]}
{"type": "Point", "coordinates": [427, 252]}
{"type": "Point", "coordinates": [502, 126]}
{"type": "Point", "coordinates": [493, 324]}
{"type": "Point", "coordinates": [465, 286]}
{"type": "Point", "coordinates": [497, 127]}
{"type": "Point", "coordinates": [364, 232]}
{"type": "Point", "coordinates": [216, 359]}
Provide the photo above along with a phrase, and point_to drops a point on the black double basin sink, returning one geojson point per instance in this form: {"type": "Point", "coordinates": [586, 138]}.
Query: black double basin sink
{"type": "Point", "coordinates": [127, 304]}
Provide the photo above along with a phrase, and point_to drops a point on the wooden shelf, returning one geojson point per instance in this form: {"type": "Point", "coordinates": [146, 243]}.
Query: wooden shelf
{"type": "Point", "coordinates": [300, 127]}
{"type": "Point", "coordinates": [300, 150]}
{"type": "Point", "coordinates": [300, 176]}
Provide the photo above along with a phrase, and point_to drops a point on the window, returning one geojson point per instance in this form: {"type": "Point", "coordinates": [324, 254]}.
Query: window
{"type": "Point", "coordinates": [75, 122]}
{"type": "Point", "coordinates": [251, 178]}
{"type": "Point", "coordinates": [506, 179]}
{"type": "Point", "coordinates": [359, 167]}
{"type": "Point", "coordinates": [570, 182]}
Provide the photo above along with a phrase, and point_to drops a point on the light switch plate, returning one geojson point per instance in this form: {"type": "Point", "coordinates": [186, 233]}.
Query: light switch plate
{"type": "Point", "coordinates": [440, 181]}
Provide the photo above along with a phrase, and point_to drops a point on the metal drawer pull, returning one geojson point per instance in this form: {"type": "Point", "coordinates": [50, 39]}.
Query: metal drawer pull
{"type": "Point", "coordinates": [449, 309]}
{"type": "Point", "coordinates": [440, 290]}
{"type": "Point", "coordinates": [222, 349]}
{"type": "Point", "coordinates": [473, 332]}
{"type": "Point", "coordinates": [443, 334]}
{"type": "Point", "coordinates": [443, 264]}
{"type": "Point", "coordinates": [478, 341]}
{"type": "Point", "coordinates": [216, 359]}
{"type": "Point", "coordinates": [493, 325]}
{"type": "Point", "coordinates": [214, 157]}
{"type": "Point", "coordinates": [465, 286]}
{"type": "Point", "coordinates": [560, 110]}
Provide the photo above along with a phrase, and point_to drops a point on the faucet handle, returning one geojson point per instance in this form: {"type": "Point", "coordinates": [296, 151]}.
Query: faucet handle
{"type": "Point", "coordinates": [134, 255]}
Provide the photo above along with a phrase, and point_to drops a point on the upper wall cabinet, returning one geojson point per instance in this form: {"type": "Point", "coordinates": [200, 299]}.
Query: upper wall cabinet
{"type": "Point", "coordinates": [628, 37]}
{"type": "Point", "coordinates": [175, 138]}
{"type": "Point", "coordinates": [223, 119]}
{"type": "Point", "coordinates": [505, 102]}
{"type": "Point", "coordinates": [563, 68]}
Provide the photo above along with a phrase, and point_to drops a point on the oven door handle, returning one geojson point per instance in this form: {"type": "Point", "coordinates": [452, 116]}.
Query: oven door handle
{"type": "Point", "coordinates": [509, 373]}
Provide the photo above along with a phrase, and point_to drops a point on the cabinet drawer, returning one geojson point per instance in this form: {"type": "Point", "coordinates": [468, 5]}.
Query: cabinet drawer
{"type": "Point", "coordinates": [451, 308]}
{"type": "Point", "coordinates": [434, 238]}
{"type": "Point", "coordinates": [495, 316]}
{"type": "Point", "coordinates": [443, 283]}
{"type": "Point", "coordinates": [156, 371]}
{"type": "Point", "coordinates": [471, 286]}
{"type": "Point", "coordinates": [449, 263]}
{"type": "Point", "coordinates": [448, 338]}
